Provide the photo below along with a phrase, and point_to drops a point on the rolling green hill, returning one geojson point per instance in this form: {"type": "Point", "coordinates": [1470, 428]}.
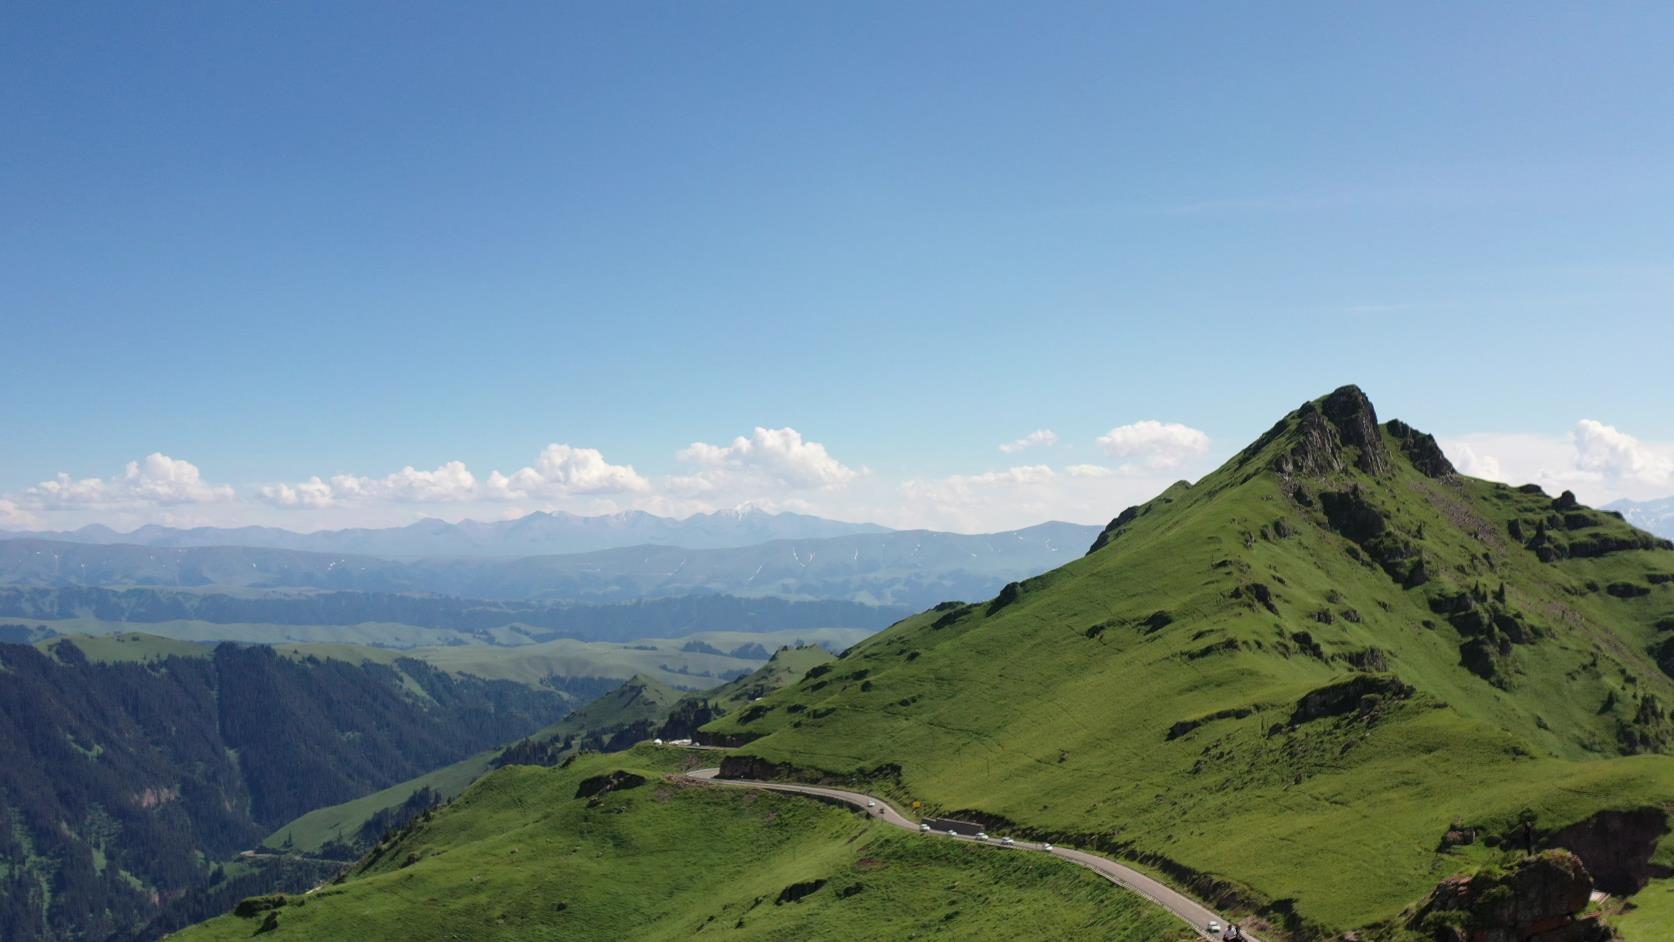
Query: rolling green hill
{"type": "Point", "coordinates": [633, 712]}
{"type": "Point", "coordinates": [302, 615]}
{"type": "Point", "coordinates": [1309, 686]}
{"type": "Point", "coordinates": [609, 848]}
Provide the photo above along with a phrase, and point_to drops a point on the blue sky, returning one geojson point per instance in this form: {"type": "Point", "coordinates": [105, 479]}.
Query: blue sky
{"type": "Point", "coordinates": [279, 241]}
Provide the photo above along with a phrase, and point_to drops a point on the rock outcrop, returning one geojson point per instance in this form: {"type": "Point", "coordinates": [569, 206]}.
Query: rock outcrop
{"type": "Point", "coordinates": [1617, 847]}
{"type": "Point", "coordinates": [1345, 419]}
{"type": "Point", "coordinates": [1421, 449]}
{"type": "Point", "coordinates": [1536, 899]}
{"type": "Point", "coordinates": [1112, 528]}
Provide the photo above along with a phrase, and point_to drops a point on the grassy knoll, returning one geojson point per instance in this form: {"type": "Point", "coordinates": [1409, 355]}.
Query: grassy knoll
{"type": "Point", "coordinates": [309, 833]}
{"type": "Point", "coordinates": [520, 856]}
{"type": "Point", "coordinates": [1288, 682]}
{"type": "Point", "coordinates": [664, 659]}
{"type": "Point", "coordinates": [633, 712]}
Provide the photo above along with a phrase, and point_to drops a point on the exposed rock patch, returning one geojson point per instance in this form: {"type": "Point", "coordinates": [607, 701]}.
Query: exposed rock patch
{"type": "Point", "coordinates": [1362, 693]}
{"type": "Point", "coordinates": [1421, 449]}
{"type": "Point", "coordinates": [1616, 847]}
{"type": "Point", "coordinates": [619, 780]}
{"type": "Point", "coordinates": [1113, 528]}
{"type": "Point", "coordinates": [1536, 899]}
{"type": "Point", "coordinates": [798, 891]}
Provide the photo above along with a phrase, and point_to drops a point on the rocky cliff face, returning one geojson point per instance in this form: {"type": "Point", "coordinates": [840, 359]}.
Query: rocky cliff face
{"type": "Point", "coordinates": [1324, 431]}
{"type": "Point", "coordinates": [1536, 899]}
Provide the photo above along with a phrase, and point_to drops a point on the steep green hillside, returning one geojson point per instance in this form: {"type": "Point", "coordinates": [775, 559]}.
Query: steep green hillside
{"type": "Point", "coordinates": [125, 779]}
{"type": "Point", "coordinates": [787, 665]}
{"type": "Point", "coordinates": [631, 713]}
{"type": "Point", "coordinates": [1287, 684]}
{"type": "Point", "coordinates": [609, 848]}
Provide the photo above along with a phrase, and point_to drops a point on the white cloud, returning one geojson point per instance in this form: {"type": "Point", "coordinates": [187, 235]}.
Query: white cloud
{"type": "Point", "coordinates": [11, 515]}
{"type": "Point", "coordinates": [1605, 450]}
{"type": "Point", "coordinates": [561, 470]}
{"type": "Point", "coordinates": [1486, 467]}
{"type": "Point", "coordinates": [154, 480]}
{"type": "Point", "coordinates": [1089, 471]}
{"type": "Point", "coordinates": [1597, 461]}
{"type": "Point", "coordinates": [452, 481]}
{"type": "Point", "coordinates": [780, 455]}
{"type": "Point", "coordinates": [1150, 445]}
{"type": "Point", "coordinates": [966, 497]}
{"type": "Point", "coordinates": [312, 493]}
{"type": "Point", "coordinates": [1040, 436]}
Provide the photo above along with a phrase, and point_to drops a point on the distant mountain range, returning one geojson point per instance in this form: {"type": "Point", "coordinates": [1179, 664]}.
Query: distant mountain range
{"type": "Point", "coordinates": [537, 534]}
{"type": "Point", "coordinates": [1657, 516]}
{"type": "Point", "coordinates": [891, 568]}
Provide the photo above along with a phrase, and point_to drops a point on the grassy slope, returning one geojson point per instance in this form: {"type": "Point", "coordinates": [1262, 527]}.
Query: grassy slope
{"type": "Point", "coordinates": [308, 833]}
{"type": "Point", "coordinates": [518, 856]}
{"type": "Point", "coordinates": [1020, 713]}
{"type": "Point", "coordinates": [640, 698]}
{"type": "Point", "coordinates": [786, 666]}
{"type": "Point", "coordinates": [659, 658]}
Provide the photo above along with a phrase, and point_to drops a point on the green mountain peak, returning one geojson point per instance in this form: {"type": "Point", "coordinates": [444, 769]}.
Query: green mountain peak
{"type": "Point", "coordinates": [1289, 680]}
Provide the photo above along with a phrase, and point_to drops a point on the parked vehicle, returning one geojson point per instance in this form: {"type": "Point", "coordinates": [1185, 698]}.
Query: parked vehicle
{"type": "Point", "coordinates": [924, 827]}
{"type": "Point", "coordinates": [982, 835]}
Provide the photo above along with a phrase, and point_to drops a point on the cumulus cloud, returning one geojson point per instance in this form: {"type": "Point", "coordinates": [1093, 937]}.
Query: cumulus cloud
{"type": "Point", "coordinates": [156, 479]}
{"type": "Point", "coordinates": [11, 515]}
{"type": "Point", "coordinates": [1486, 467]}
{"type": "Point", "coordinates": [1606, 450]}
{"type": "Point", "coordinates": [780, 455]}
{"type": "Point", "coordinates": [1040, 436]}
{"type": "Point", "coordinates": [1598, 461]}
{"type": "Point", "coordinates": [961, 488]}
{"type": "Point", "coordinates": [1150, 445]}
{"type": "Point", "coordinates": [1089, 471]}
{"type": "Point", "coordinates": [560, 470]}
{"type": "Point", "coordinates": [312, 493]}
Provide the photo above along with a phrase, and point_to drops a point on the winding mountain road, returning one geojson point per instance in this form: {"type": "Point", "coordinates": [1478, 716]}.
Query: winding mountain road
{"type": "Point", "coordinates": [1195, 914]}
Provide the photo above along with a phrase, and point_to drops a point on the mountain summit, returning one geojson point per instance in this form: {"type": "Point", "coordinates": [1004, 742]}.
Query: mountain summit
{"type": "Point", "coordinates": [1308, 686]}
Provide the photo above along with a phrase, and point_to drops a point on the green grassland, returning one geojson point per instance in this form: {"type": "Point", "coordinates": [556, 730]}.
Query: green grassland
{"type": "Point", "coordinates": [662, 659]}
{"type": "Point", "coordinates": [639, 703]}
{"type": "Point", "coordinates": [1149, 698]}
{"type": "Point", "coordinates": [309, 833]}
{"type": "Point", "coordinates": [520, 857]}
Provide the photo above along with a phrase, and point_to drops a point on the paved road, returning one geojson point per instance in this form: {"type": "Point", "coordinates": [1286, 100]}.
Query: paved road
{"type": "Point", "coordinates": [1194, 913]}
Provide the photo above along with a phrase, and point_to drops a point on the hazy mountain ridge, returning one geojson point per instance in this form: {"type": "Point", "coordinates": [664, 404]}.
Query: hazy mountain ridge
{"type": "Point", "coordinates": [432, 619]}
{"type": "Point", "coordinates": [902, 567]}
{"type": "Point", "coordinates": [1655, 516]}
{"type": "Point", "coordinates": [536, 534]}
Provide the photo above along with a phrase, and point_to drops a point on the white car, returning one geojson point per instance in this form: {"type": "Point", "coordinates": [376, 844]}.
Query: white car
{"type": "Point", "coordinates": [1213, 928]}
{"type": "Point", "coordinates": [1046, 847]}
{"type": "Point", "coordinates": [871, 804]}
{"type": "Point", "coordinates": [982, 835]}
{"type": "Point", "coordinates": [1007, 841]}
{"type": "Point", "coordinates": [924, 827]}
{"type": "Point", "coordinates": [952, 833]}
